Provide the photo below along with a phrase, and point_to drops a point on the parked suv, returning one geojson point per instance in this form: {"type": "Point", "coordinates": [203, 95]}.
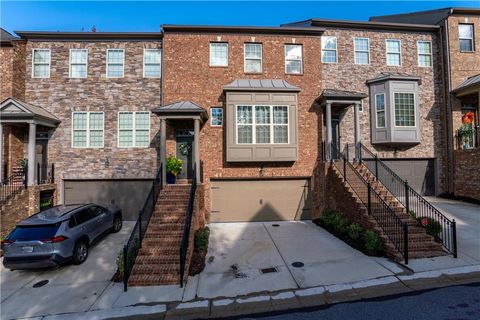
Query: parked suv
{"type": "Point", "coordinates": [57, 235]}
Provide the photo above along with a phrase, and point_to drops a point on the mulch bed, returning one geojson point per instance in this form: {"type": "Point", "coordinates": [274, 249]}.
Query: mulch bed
{"type": "Point", "coordinates": [197, 264]}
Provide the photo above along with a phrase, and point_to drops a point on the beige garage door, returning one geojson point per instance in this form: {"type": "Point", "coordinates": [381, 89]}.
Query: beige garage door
{"type": "Point", "coordinates": [260, 200]}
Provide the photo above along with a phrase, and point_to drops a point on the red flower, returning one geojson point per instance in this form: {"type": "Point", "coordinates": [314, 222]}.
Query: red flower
{"type": "Point", "coordinates": [425, 222]}
{"type": "Point", "coordinates": [468, 117]}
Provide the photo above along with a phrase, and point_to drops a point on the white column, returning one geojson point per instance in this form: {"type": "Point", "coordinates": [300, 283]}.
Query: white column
{"type": "Point", "coordinates": [163, 148]}
{"type": "Point", "coordinates": [196, 148]}
{"type": "Point", "coordinates": [328, 120]}
{"type": "Point", "coordinates": [1, 154]}
{"type": "Point", "coordinates": [358, 138]}
{"type": "Point", "coordinates": [32, 133]}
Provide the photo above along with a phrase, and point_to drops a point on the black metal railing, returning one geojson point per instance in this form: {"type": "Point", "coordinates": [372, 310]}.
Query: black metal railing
{"type": "Point", "coordinates": [45, 173]}
{"type": "Point", "coordinates": [392, 225]}
{"type": "Point", "coordinates": [134, 243]}
{"type": "Point", "coordinates": [12, 185]}
{"type": "Point", "coordinates": [186, 228]}
{"type": "Point", "coordinates": [438, 225]}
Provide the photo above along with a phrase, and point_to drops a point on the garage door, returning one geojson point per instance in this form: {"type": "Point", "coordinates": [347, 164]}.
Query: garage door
{"type": "Point", "coordinates": [420, 173]}
{"type": "Point", "coordinates": [260, 200]}
{"type": "Point", "coordinates": [129, 195]}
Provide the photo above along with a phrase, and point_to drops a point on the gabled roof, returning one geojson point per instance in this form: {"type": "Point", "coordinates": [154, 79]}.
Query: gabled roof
{"type": "Point", "coordinates": [182, 108]}
{"type": "Point", "coordinates": [384, 76]}
{"type": "Point", "coordinates": [260, 85]}
{"type": "Point", "coordinates": [6, 37]}
{"type": "Point", "coordinates": [16, 110]}
{"type": "Point", "coordinates": [468, 84]}
{"type": "Point", "coordinates": [426, 17]}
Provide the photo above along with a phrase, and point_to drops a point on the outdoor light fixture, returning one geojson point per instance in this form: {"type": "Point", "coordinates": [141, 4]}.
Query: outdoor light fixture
{"type": "Point", "coordinates": [107, 162]}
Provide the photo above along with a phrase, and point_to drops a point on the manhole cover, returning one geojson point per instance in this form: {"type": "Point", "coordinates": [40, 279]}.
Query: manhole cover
{"type": "Point", "coordinates": [275, 225]}
{"type": "Point", "coordinates": [268, 270]}
{"type": "Point", "coordinates": [297, 264]}
{"type": "Point", "coordinates": [40, 284]}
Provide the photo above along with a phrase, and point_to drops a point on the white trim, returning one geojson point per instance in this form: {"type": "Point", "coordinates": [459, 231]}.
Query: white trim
{"type": "Point", "coordinates": [254, 124]}
{"type": "Point", "coordinates": [123, 63]}
{"type": "Point", "coordinates": [70, 63]}
{"type": "Point", "coordinates": [211, 117]}
{"type": "Point", "coordinates": [210, 54]}
{"type": "Point", "coordinates": [133, 146]}
{"type": "Point", "coordinates": [424, 54]}
{"type": "Point", "coordinates": [49, 62]}
{"type": "Point", "coordinates": [362, 51]}
{"type": "Point", "coordinates": [414, 109]}
{"type": "Point", "coordinates": [88, 130]}
{"type": "Point", "coordinates": [399, 52]}
{"type": "Point", "coordinates": [245, 57]}
{"type": "Point", "coordinates": [301, 57]}
{"type": "Point", "coordinates": [384, 111]}
{"type": "Point", "coordinates": [160, 63]}
{"type": "Point", "coordinates": [472, 39]}
{"type": "Point", "coordinates": [322, 49]}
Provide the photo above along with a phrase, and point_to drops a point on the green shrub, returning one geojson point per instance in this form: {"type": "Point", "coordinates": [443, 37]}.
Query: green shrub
{"type": "Point", "coordinates": [174, 165]}
{"type": "Point", "coordinates": [431, 226]}
{"type": "Point", "coordinates": [355, 231]}
{"type": "Point", "coordinates": [201, 238]}
{"type": "Point", "coordinates": [334, 221]}
{"type": "Point", "coordinates": [120, 264]}
{"type": "Point", "coordinates": [373, 243]}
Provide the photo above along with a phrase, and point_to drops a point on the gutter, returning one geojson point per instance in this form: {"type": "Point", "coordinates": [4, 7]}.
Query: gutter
{"type": "Point", "coordinates": [69, 36]}
{"type": "Point", "coordinates": [243, 29]}
{"type": "Point", "coordinates": [373, 25]}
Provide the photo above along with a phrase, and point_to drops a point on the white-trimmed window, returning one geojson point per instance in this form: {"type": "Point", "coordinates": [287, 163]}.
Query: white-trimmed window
{"type": "Point", "coordinates": [329, 49]}
{"type": "Point", "coordinates": [424, 50]}
{"type": "Point", "coordinates": [41, 63]}
{"type": "Point", "coordinates": [78, 63]}
{"type": "Point", "coordinates": [262, 124]}
{"type": "Point", "coordinates": [152, 63]}
{"type": "Point", "coordinates": [293, 58]}
{"type": "Point", "coordinates": [133, 129]}
{"type": "Point", "coordinates": [404, 103]}
{"type": "Point", "coordinates": [394, 55]}
{"type": "Point", "coordinates": [218, 54]}
{"type": "Point", "coordinates": [253, 57]}
{"type": "Point", "coordinates": [380, 110]}
{"type": "Point", "coordinates": [87, 129]}
{"type": "Point", "coordinates": [465, 35]}
{"type": "Point", "coordinates": [216, 117]}
{"type": "Point", "coordinates": [362, 50]}
{"type": "Point", "coordinates": [115, 63]}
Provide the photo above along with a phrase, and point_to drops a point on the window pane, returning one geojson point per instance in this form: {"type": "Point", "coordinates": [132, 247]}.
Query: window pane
{"type": "Point", "coordinates": [329, 43]}
{"type": "Point", "coordinates": [152, 56]}
{"type": "Point", "coordinates": [380, 109]}
{"type": "Point", "coordinates": [262, 134]}
{"type": "Point", "coordinates": [425, 60]}
{"type": "Point", "coordinates": [217, 117]}
{"type": "Point", "coordinates": [41, 70]}
{"type": "Point", "coordinates": [361, 58]}
{"type": "Point", "coordinates": [253, 50]}
{"type": "Point", "coordinates": [80, 121]}
{"type": "Point", "coordinates": [244, 134]}
{"type": "Point", "coordinates": [78, 56]}
{"type": "Point", "coordinates": [280, 134]}
{"type": "Point", "coordinates": [361, 44]}
{"type": "Point", "coordinates": [96, 121]}
{"type": "Point", "coordinates": [393, 59]}
{"type": "Point", "coordinates": [393, 46]}
{"type": "Point", "coordinates": [141, 138]}
{"type": "Point", "coordinates": [253, 65]}
{"type": "Point", "coordinates": [125, 120]}
{"type": "Point", "coordinates": [404, 109]}
{"type": "Point", "coordinates": [80, 138]}
{"type": "Point", "coordinates": [96, 138]}
{"type": "Point", "coordinates": [466, 45]}
{"type": "Point", "coordinates": [381, 119]}
{"type": "Point", "coordinates": [465, 31]}
{"type": "Point", "coordinates": [142, 121]}
{"type": "Point", "coordinates": [329, 56]}
{"type": "Point", "coordinates": [125, 138]}
{"type": "Point", "coordinates": [280, 115]}
{"type": "Point", "coordinates": [262, 115]}
{"type": "Point", "coordinates": [115, 70]}
{"type": "Point", "coordinates": [152, 70]}
{"type": "Point", "coordinates": [244, 114]}
{"type": "Point", "coordinates": [294, 66]}
{"type": "Point", "coordinates": [424, 47]}
{"type": "Point", "coordinates": [218, 54]}
{"type": "Point", "coordinates": [293, 51]}
{"type": "Point", "coordinates": [78, 71]}
{"type": "Point", "coordinates": [41, 56]}
{"type": "Point", "coordinates": [115, 56]}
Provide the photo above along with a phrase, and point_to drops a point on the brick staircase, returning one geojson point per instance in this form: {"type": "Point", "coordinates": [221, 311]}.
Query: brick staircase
{"type": "Point", "coordinates": [158, 261]}
{"type": "Point", "coordinates": [420, 244]}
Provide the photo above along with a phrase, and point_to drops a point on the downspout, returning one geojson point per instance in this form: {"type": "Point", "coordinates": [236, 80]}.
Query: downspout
{"type": "Point", "coordinates": [163, 67]}
{"type": "Point", "coordinates": [448, 112]}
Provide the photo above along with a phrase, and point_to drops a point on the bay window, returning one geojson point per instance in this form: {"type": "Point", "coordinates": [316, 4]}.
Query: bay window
{"type": "Point", "coordinates": [404, 103]}
{"type": "Point", "coordinates": [262, 124]}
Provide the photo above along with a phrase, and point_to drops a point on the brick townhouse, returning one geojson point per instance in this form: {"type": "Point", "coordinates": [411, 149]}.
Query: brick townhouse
{"type": "Point", "coordinates": [257, 114]}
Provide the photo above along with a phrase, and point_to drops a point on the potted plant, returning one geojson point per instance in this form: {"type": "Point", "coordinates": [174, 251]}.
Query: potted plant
{"type": "Point", "coordinates": [467, 131]}
{"type": "Point", "coordinates": [174, 167]}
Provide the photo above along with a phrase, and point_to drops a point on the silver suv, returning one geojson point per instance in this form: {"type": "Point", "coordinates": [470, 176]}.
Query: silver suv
{"type": "Point", "coordinates": [57, 235]}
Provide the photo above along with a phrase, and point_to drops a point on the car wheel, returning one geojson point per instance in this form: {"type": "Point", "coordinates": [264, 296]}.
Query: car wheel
{"type": "Point", "coordinates": [117, 224]}
{"type": "Point", "coordinates": [80, 252]}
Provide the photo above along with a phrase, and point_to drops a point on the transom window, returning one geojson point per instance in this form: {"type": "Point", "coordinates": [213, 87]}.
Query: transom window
{"type": "Point", "coordinates": [78, 63]}
{"type": "Point", "coordinates": [262, 124]}
{"type": "Point", "coordinates": [394, 56]}
{"type": "Point", "coordinates": [41, 63]}
{"type": "Point", "coordinates": [133, 129]}
{"type": "Point", "coordinates": [152, 63]}
{"type": "Point", "coordinates": [253, 58]}
{"type": "Point", "coordinates": [380, 110]}
{"type": "Point", "coordinates": [293, 58]}
{"type": "Point", "coordinates": [329, 49]}
{"type": "Point", "coordinates": [465, 32]}
{"type": "Point", "coordinates": [115, 63]}
{"type": "Point", "coordinates": [218, 54]}
{"type": "Point", "coordinates": [87, 129]}
{"type": "Point", "coordinates": [404, 109]}
{"type": "Point", "coordinates": [216, 117]}
{"type": "Point", "coordinates": [424, 49]}
{"type": "Point", "coordinates": [362, 50]}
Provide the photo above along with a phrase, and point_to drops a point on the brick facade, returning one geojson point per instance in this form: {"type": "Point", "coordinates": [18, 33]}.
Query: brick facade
{"type": "Point", "coordinates": [467, 173]}
{"type": "Point", "coordinates": [12, 69]}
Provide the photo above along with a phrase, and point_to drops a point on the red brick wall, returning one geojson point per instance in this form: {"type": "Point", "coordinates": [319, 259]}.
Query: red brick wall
{"type": "Point", "coordinates": [12, 70]}
{"type": "Point", "coordinates": [467, 173]}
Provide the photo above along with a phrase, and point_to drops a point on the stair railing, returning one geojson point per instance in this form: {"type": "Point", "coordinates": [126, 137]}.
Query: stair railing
{"type": "Point", "coordinates": [436, 224]}
{"type": "Point", "coordinates": [391, 224]}
{"type": "Point", "coordinates": [12, 185]}
{"type": "Point", "coordinates": [134, 243]}
{"type": "Point", "coordinates": [186, 228]}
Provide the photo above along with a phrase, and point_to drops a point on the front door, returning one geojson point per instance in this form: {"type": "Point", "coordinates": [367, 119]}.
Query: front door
{"type": "Point", "coordinates": [185, 153]}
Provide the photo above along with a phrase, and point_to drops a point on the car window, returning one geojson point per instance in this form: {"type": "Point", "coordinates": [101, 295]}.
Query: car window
{"type": "Point", "coordinates": [73, 222]}
{"type": "Point", "coordinates": [83, 216]}
{"type": "Point", "coordinates": [97, 210]}
{"type": "Point", "coordinates": [38, 232]}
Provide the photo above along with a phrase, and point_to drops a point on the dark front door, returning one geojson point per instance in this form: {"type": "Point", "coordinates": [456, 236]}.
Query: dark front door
{"type": "Point", "coordinates": [335, 137]}
{"type": "Point", "coordinates": [185, 153]}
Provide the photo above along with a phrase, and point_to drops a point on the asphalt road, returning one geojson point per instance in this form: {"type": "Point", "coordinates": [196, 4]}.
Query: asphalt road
{"type": "Point", "coordinates": [452, 303]}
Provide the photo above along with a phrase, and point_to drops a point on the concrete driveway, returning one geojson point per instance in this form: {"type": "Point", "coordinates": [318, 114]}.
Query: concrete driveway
{"type": "Point", "coordinates": [70, 288]}
{"type": "Point", "coordinates": [238, 252]}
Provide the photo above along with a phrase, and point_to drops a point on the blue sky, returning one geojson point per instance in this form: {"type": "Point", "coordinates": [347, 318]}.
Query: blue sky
{"type": "Point", "coordinates": [149, 15]}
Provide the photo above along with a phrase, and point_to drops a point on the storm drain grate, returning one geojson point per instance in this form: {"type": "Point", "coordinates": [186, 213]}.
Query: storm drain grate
{"type": "Point", "coordinates": [268, 270]}
{"type": "Point", "coordinates": [40, 284]}
{"type": "Point", "coordinates": [275, 225]}
{"type": "Point", "coordinates": [297, 264]}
